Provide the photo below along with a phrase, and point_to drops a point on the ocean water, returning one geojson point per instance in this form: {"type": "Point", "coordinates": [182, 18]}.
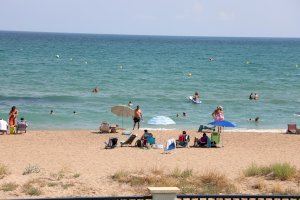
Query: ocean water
{"type": "Point", "coordinates": [150, 71]}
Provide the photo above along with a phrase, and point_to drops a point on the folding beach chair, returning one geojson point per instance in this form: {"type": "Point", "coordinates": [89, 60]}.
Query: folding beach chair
{"type": "Point", "coordinates": [215, 139]}
{"type": "Point", "coordinates": [21, 127]}
{"type": "Point", "coordinates": [171, 145]}
{"type": "Point", "coordinates": [150, 140]}
{"type": "Point", "coordinates": [292, 129]}
{"type": "Point", "coordinates": [205, 129]}
{"type": "Point", "coordinates": [129, 140]}
{"type": "Point", "coordinates": [112, 143]}
{"type": "Point", "coordinates": [104, 127]}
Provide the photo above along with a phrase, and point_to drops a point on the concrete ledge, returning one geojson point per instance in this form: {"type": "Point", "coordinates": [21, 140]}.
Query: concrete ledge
{"type": "Point", "coordinates": [164, 193]}
{"type": "Point", "coordinates": [163, 190]}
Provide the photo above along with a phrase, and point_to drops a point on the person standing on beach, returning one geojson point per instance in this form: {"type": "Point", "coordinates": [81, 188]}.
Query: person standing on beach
{"type": "Point", "coordinates": [218, 115]}
{"type": "Point", "coordinates": [137, 117]}
{"type": "Point", "coordinates": [12, 119]}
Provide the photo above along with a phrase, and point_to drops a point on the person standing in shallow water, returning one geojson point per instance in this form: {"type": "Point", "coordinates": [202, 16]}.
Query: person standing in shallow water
{"type": "Point", "coordinates": [137, 117]}
{"type": "Point", "coordinates": [12, 119]}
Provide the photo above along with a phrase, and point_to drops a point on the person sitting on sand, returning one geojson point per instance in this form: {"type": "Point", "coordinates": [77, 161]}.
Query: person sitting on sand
{"type": "Point", "coordinates": [183, 139]}
{"type": "Point", "coordinates": [3, 126]}
{"type": "Point", "coordinates": [203, 140]}
{"type": "Point", "coordinates": [137, 117]}
{"type": "Point", "coordinates": [196, 96]}
{"type": "Point", "coordinates": [95, 90]}
{"type": "Point", "coordinates": [145, 137]}
{"type": "Point", "coordinates": [22, 122]}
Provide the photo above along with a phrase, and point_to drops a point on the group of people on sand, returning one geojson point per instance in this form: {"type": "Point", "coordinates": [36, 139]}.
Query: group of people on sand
{"type": "Point", "coordinates": [13, 123]}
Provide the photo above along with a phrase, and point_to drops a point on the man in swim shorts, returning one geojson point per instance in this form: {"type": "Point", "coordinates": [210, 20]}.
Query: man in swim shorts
{"type": "Point", "coordinates": [137, 117]}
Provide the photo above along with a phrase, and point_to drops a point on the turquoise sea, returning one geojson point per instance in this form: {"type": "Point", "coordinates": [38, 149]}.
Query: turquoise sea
{"type": "Point", "coordinates": [151, 71]}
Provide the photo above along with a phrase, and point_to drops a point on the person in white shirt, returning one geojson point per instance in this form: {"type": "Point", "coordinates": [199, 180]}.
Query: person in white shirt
{"type": "Point", "coordinates": [3, 126]}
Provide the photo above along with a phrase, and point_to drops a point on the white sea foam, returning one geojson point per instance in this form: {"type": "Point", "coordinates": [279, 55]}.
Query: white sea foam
{"type": "Point", "coordinates": [256, 130]}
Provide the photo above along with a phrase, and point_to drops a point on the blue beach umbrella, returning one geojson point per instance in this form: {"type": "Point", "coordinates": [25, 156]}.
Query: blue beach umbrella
{"type": "Point", "coordinates": [222, 123]}
{"type": "Point", "coordinates": [161, 120]}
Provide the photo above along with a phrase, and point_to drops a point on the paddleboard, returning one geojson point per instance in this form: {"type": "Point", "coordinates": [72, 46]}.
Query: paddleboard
{"type": "Point", "coordinates": [191, 99]}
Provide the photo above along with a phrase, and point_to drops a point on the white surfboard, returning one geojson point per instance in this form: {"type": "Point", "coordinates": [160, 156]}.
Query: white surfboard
{"type": "Point", "coordinates": [191, 99]}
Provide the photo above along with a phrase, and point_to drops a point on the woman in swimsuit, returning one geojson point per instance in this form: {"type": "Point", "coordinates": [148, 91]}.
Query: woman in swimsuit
{"type": "Point", "coordinates": [13, 114]}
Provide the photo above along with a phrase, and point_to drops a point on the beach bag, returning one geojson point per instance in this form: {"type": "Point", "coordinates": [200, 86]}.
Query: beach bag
{"type": "Point", "coordinates": [138, 143]}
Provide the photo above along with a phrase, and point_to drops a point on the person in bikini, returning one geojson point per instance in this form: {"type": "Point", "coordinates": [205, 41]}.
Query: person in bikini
{"type": "Point", "coordinates": [137, 117]}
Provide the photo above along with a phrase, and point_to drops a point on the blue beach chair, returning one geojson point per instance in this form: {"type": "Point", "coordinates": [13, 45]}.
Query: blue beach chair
{"type": "Point", "coordinates": [171, 145]}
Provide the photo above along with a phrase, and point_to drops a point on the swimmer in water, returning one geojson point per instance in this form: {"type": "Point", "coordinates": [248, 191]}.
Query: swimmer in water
{"type": "Point", "coordinates": [184, 114]}
{"type": "Point", "coordinates": [95, 90]}
{"type": "Point", "coordinates": [211, 59]}
{"type": "Point", "coordinates": [74, 112]}
{"type": "Point", "coordinates": [256, 119]}
{"type": "Point", "coordinates": [51, 112]}
{"type": "Point", "coordinates": [251, 96]}
{"type": "Point", "coordinates": [196, 96]}
{"type": "Point", "coordinates": [130, 103]}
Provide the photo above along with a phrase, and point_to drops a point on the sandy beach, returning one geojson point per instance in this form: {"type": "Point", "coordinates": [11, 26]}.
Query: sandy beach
{"type": "Point", "coordinates": [83, 153]}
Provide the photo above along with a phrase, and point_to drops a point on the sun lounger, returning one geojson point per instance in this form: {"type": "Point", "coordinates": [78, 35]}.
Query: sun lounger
{"type": "Point", "coordinates": [104, 127]}
{"type": "Point", "coordinates": [112, 143]}
{"type": "Point", "coordinates": [129, 140]}
{"type": "Point", "coordinates": [292, 129]}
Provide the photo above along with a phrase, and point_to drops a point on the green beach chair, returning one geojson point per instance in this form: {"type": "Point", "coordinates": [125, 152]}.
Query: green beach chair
{"type": "Point", "coordinates": [215, 139]}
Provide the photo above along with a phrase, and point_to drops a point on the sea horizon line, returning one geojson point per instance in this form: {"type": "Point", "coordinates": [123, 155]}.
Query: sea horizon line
{"type": "Point", "coordinates": [147, 35]}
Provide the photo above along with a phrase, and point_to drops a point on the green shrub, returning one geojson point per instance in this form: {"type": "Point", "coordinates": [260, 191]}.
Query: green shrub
{"type": "Point", "coordinates": [3, 171]}
{"type": "Point", "coordinates": [6, 187]}
{"type": "Point", "coordinates": [282, 171]}
{"type": "Point", "coordinates": [31, 169]}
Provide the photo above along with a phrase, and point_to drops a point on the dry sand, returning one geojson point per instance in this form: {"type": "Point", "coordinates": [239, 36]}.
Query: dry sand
{"type": "Point", "coordinates": [83, 152]}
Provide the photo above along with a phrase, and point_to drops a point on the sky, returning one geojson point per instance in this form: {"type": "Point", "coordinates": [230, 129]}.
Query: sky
{"type": "Point", "coordinates": [242, 18]}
